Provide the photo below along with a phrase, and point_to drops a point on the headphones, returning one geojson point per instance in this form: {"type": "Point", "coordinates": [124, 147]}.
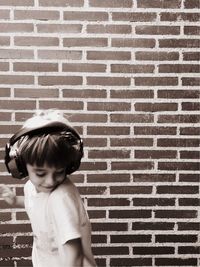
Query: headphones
{"type": "Point", "coordinates": [15, 164]}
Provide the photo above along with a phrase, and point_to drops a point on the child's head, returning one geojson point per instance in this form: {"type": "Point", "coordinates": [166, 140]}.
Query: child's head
{"type": "Point", "coordinates": [53, 147]}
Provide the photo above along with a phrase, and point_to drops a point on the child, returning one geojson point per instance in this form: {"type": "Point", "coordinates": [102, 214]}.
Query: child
{"type": "Point", "coordinates": [47, 150]}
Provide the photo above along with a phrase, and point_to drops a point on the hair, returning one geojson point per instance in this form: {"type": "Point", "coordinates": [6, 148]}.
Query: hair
{"type": "Point", "coordinates": [58, 149]}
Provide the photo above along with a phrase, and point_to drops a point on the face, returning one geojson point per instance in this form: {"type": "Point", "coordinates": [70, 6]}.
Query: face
{"type": "Point", "coordinates": [45, 178]}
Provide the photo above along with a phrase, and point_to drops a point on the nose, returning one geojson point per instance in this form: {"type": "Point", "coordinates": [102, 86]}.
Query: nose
{"type": "Point", "coordinates": [50, 180]}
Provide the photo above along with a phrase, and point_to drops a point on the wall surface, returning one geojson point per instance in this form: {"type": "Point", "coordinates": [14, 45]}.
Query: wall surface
{"type": "Point", "coordinates": [126, 73]}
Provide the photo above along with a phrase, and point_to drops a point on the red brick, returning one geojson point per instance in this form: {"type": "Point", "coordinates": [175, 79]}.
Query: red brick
{"type": "Point", "coordinates": [179, 68]}
{"type": "Point", "coordinates": [108, 81]}
{"type": "Point", "coordinates": [4, 92]}
{"type": "Point", "coordinates": [15, 252]}
{"type": "Point", "coordinates": [105, 202]}
{"type": "Point", "coordinates": [190, 81]}
{"type": "Point", "coordinates": [98, 130]}
{"type": "Point", "coordinates": [188, 250]}
{"type": "Point", "coordinates": [19, 3]}
{"type": "Point", "coordinates": [155, 154]}
{"type": "Point", "coordinates": [131, 238]}
{"type": "Point", "coordinates": [35, 66]}
{"type": "Point", "coordinates": [176, 238]}
{"type": "Point", "coordinates": [153, 178]}
{"type": "Point", "coordinates": [109, 226]}
{"type": "Point", "coordinates": [88, 16]}
{"type": "Point", "coordinates": [23, 240]}
{"type": "Point", "coordinates": [189, 202]}
{"type": "Point", "coordinates": [106, 154]}
{"type": "Point", "coordinates": [130, 118]}
{"type": "Point", "coordinates": [84, 93]}
{"type": "Point", "coordinates": [95, 142]}
{"type": "Point", "coordinates": [178, 119]}
{"type": "Point", "coordinates": [153, 226]}
{"type": "Point", "coordinates": [154, 130]}
{"type": "Point", "coordinates": [108, 178]}
{"type": "Point", "coordinates": [127, 42]}
{"type": "Point", "coordinates": [157, 30]}
{"type": "Point", "coordinates": [179, 189]}
{"type": "Point", "coordinates": [133, 16]}
{"type": "Point", "coordinates": [61, 105]}
{"type": "Point", "coordinates": [83, 67]}
{"type": "Point", "coordinates": [156, 81]}
{"type": "Point", "coordinates": [111, 250]}
{"type": "Point", "coordinates": [130, 262]}
{"type": "Point", "coordinates": [62, 3]}
{"type": "Point", "coordinates": [15, 228]}
{"type": "Point", "coordinates": [153, 250]}
{"type": "Point", "coordinates": [176, 262]}
{"type": "Point", "coordinates": [111, 3]}
{"type": "Point", "coordinates": [59, 28]}
{"type": "Point", "coordinates": [191, 30]}
{"type": "Point", "coordinates": [156, 107]}
{"type": "Point", "coordinates": [59, 80]}
{"type": "Point", "coordinates": [5, 216]}
{"type": "Point", "coordinates": [189, 130]}
{"type": "Point", "coordinates": [16, 79]}
{"type": "Point", "coordinates": [79, 42]}
{"type": "Point", "coordinates": [4, 40]}
{"type": "Point", "coordinates": [158, 4]}
{"type": "Point", "coordinates": [34, 93]}
{"type": "Point", "coordinates": [191, 3]}
{"type": "Point", "coordinates": [176, 214]}
{"type": "Point", "coordinates": [17, 104]}
{"type": "Point", "coordinates": [191, 178]}
{"type": "Point", "coordinates": [97, 214]}
{"type": "Point", "coordinates": [4, 66]}
{"type": "Point", "coordinates": [188, 226]}
{"type": "Point", "coordinates": [190, 106]}
{"type": "Point", "coordinates": [5, 14]}
{"type": "Point", "coordinates": [111, 29]}
{"type": "Point", "coordinates": [179, 166]}
{"type": "Point", "coordinates": [118, 190]}
{"type": "Point", "coordinates": [6, 241]}
{"type": "Point", "coordinates": [131, 94]}
{"type": "Point", "coordinates": [59, 54]}
{"type": "Point", "coordinates": [189, 154]}
{"type": "Point", "coordinates": [127, 68]}
{"type": "Point", "coordinates": [36, 41]}
{"type": "Point", "coordinates": [99, 238]}
{"type": "Point", "coordinates": [16, 27]}
{"type": "Point", "coordinates": [153, 202]}
{"type": "Point", "coordinates": [88, 117]}
{"type": "Point", "coordinates": [109, 106]}
{"type": "Point", "coordinates": [36, 15]}
{"type": "Point", "coordinates": [191, 56]}
{"type": "Point", "coordinates": [179, 16]}
{"type": "Point", "coordinates": [178, 94]}
{"type": "Point", "coordinates": [108, 55]}
{"type": "Point", "coordinates": [179, 43]}
{"type": "Point", "coordinates": [129, 213]}
{"type": "Point", "coordinates": [126, 142]}
{"type": "Point", "coordinates": [92, 190]}
{"type": "Point", "coordinates": [156, 56]}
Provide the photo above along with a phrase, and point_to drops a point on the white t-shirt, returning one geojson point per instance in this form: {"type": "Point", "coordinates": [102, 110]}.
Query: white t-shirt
{"type": "Point", "coordinates": [56, 218]}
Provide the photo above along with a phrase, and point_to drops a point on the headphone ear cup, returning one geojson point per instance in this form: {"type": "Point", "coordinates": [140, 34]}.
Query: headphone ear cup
{"type": "Point", "coordinates": [17, 168]}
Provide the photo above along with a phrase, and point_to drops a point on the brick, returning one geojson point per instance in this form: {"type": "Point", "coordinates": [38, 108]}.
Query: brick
{"type": "Point", "coordinates": [156, 56]}
{"type": "Point", "coordinates": [5, 263]}
{"type": "Point", "coordinates": [16, 54]}
{"type": "Point", "coordinates": [15, 252]}
{"type": "Point", "coordinates": [153, 250]}
{"type": "Point", "coordinates": [109, 227]}
{"type": "Point", "coordinates": [89, 166]}
{"type": "Point", "coordinates": [17, 104]}
{"type": "Point", "coordinates": [175, 214]}
{"type": "Point", "coordinates": [4, 40]}
{"type": "Point", "coordinates": [153, 178]}
{"type": "Point", "coordinates": [156, 107]}
{"type": "Point", "coordinates": [98, 130]}
{"type": "Point", "coordinates": [18, 3]}
{"type": "Point", "coordinates": [23, 240]}
{"type": "Point", "coordinates": [178, 166]}
{"type": "Point", "coordinates": [111, 3]}
{"type": "Point", "coordinates": [59, 80]}
{"type": "Point", "coordinates": [98, 154]}
{"type": "Point", "coordinates": [59, 54]}
{"type": "Point", "coordinates": [36, 15]}
{"type": "Point", "coordinates": [106, 202]}
{"type": "Point", "coordinates": [127, 42]}
{"type": "Point", "coordinates": [178, 94]}
{"type": "Point", "coordinates": [158, 4]}
{"type": "Point", "coordinates": [15, 228]}
{"type": "Point", "coordinates": [191, 3]}
{"type": "Point", "coordinates": [130, 190]}
{"type": "Point", "coordinates": [155, 154]}
{"type": "Point", "coordinates": [5, 14]}
{"type": "Point", "coordinates": [59, 28]}
{"type": "Point", "coordinates": [35, 66]}
{"type": "Point", "coordinates": [191, 30]}
{"type": "Point", "coordinates": [153, 202]}
{"type": "Point", "coordinates": [6, 241]}
{"type": "Point", "coordinates": [109, 106]}
{"type": "Point", "coordinates": [178, 119]}
{"type": "Point", "coordinates": [129, 214]}
{"type": "Point", "coordinates": [21, 216]}
{"type": "Point", "coordinates": [189, 130]}
{"type": "Point", "coordinates": [16, 27]}
{"type": "Point", "coordinates": [88, 16]}
{"type": "Point", "coordinates": [191, 56]}
{"type": "Point", "coordinates": [91, 190]}
{"type": "Point", "coordinates": [97, 214]}
{"type": "Point", "coordinates": [190, 106]}
{"type": "Point", "coordinates": [4, 92]}
{"type": "Point", "coordinates": [130, 238]}
{"type": "Point", "coordinates": [61, 105]}
{"type": "Point", "coordinates": [16, 79]}
{"type": "Point", "coordinates": [95, 142]}
{"type": "Point", "coordinates": [188, 250]}
{"type": "Point", "coordinates": [189, 202]}
{"type": "Point", "coordinates": [189, 154]}
{"type": "Point", "coordinates": [97, 238]}
{"type": "Point", "coordinates": [4, 66]}
{"type": "Point", "coordinates": [130, 262]}
{"type": "Point", "coordinates": [156, 81]}
{"type": "Point", "coordinates": [133, 16]}
{"type": "Point", "coordinates": [157, 30]}
{"type": "Point", "coordinates": [127, 68]}
{"type": "Point", "coordinates": [111, 29]}
{"type": "Point", "coordinates": [83, 67]}
{"type": "Point", "coordinates": [179, 43]}
{"type": "Point", "coordinates": [179, 68]}
{"type": "Point", "coordinates": [129, 94]}
{"type": "Point", "coordinates": [5, 216]}
{"type": "Point", "coordinates": [132, 165]}
{"type": "Point", "coordinates": [179, 189]}
{"type": "Point", "coordinates": [108, 81]}
{"type": "Point", "coordinates": [62, 3]}
{"type": "Point", "coordinates": [153, 226]}
{"type": "Point", "coordinates": [187, 226]}
{"type": "Point", "coordinates": [176, 238]}
{"type": "Point", "coordinates": [176, 262]}
{"type": "Point", "coordinates": [108, 55]}
{"type": "Point", "coordinates": [178, 142]}
{"type": "Point", "coordinates": [80, 42]}
{"type": "Point", "coordinates": [191, 81]}
{"type": "Point", "coordinates": [127, 142]}
{"type": "Point", "coordinates": [191, 178]}
{"type": "Point", "coordinates": [111, 250]}
{"type": "Point", "coordinates": [136, 118]}
{"type": "Point", "coordinates": [84, 93]}
{"type": "Point", "coordinates": [88, 118]}
{"type": "Point", "coordinates": [179, 16]}
{"type": "Point", "coordinates": [36, 41]}
{"type": "Point", "coordinates": [154, 130]}
{"type": "Point", "coordinates": [108, 178]}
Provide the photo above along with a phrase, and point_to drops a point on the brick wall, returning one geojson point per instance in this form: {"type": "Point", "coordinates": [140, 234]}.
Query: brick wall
{"type": "Point", "coordinates": [126, 73]}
